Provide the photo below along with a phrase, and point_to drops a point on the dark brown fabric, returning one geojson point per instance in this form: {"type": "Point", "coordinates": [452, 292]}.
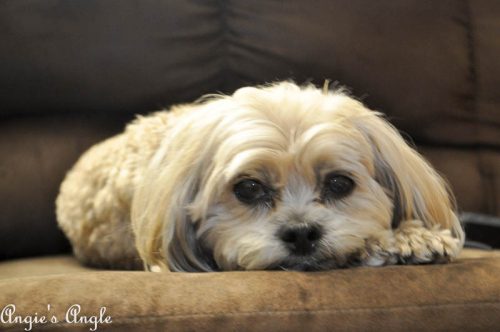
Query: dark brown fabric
{"type": "Point", "coordinates": [409, 58]}
{"type": "Point", "coordinates": [73, 72]}
{"type": "Point", "coordinates": [485, 27]}
{"type": "Point", "coordinates": [36, 152]}
{"type": "Point", "coordinates": [41, 266]}
{"type": "Point", "coordinates": [474, 175]}
{"type": "Point", "coordinates": [112, 56]}
{"type": "Point", "coordinates": [431, 66]}
{"type": "Point", "coordinates": [462, 296]}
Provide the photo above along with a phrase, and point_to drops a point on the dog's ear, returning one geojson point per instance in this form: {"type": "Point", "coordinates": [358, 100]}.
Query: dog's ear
{"type": "Point", "coordinates": [417, 190]}
{"type": "Point", "coordinates": [165, 233]}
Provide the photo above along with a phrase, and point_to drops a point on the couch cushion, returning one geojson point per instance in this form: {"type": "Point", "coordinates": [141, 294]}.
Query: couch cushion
{"type": "Point", "coordinates": [431, 67]}
{"type": "Point", "coordinates": [65, 264]}
{"type": "Point", "coordinates": [464, 295]}
{"type": "Point", "coordinates": [474, 175]}
{"type": "Point", "coordinates": [114, 55]}
{"type": "Point", "coordinates": [36, 153]}
{"type": "Point", "coordinates": [41, 266]}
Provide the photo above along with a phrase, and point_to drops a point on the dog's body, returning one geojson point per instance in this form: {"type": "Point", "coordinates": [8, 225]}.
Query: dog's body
{"type": "Point", "coordinates": [273, 177]}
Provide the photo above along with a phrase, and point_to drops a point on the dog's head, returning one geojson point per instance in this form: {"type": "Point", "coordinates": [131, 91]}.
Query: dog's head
{"type": "Point", "coordinates": [280, 177]}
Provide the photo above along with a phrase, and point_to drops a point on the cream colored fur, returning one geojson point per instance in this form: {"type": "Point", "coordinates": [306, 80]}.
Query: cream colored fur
{"type": "Point", "coordinates": [160, 194]}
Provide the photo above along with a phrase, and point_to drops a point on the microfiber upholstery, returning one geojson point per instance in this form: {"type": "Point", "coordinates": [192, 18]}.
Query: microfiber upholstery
{"type": "Point", "coordinates": [463, 296]}
{"type": "Point", "coordinates": [75, 72]}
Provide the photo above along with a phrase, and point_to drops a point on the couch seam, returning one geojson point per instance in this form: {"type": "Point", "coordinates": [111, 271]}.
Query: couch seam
{"type": "Point", "coordinates": [472, 76]}
{"type": "Point", "coordinates": [138, 319]}
{"type": "Point", "coordinates": [471, 58]}
{"type": "Point", "coordinates": [225, 54]}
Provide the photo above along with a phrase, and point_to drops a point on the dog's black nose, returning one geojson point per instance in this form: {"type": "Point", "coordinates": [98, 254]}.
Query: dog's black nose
{"type": "Point", "coordinates": [302, 239]}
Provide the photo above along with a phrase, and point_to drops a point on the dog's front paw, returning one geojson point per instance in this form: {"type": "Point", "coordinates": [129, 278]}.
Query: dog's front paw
{"type": "Point", "coordinates": [416, 244]}
{"type": "Point", "coordinates": [379, 250]}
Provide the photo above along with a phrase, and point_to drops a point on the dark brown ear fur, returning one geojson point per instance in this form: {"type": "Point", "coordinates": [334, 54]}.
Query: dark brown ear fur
{"type": "Point", "coordinates": [185, 252]}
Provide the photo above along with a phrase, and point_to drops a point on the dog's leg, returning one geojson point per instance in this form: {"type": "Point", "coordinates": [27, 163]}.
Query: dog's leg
{"type": "Point", "coordinates": [415, 244]}
{"type": "Point", "coordinates": [411, 243]}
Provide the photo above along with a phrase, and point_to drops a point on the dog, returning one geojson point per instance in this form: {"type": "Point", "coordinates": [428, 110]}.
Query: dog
{"type": "Point", "coordinates": [274, 177]}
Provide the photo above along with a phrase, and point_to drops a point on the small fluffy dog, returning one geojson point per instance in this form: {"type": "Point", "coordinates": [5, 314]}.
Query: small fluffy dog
{"type": "Point", "coordinates": [272, 177]}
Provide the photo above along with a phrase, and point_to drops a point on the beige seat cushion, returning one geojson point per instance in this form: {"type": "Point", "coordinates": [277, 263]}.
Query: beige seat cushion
{"type": "Point", "coordinates": [464, 295]}
{"type": "Point", "coordinates": [32, 267]}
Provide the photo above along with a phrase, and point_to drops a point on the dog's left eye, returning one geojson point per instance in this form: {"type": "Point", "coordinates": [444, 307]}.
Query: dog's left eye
{"type": "Point", "coordinates": [251, 191]}
{"type": "Point", "coordinates": [337, 186]}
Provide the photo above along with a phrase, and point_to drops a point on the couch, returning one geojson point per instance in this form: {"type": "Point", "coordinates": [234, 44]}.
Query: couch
{"type": "Point", "coordinates": [74, 72]}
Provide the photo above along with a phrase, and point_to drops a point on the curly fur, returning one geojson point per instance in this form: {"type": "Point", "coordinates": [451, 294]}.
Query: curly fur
{"type": "Point", "coordinates": [160, 194]}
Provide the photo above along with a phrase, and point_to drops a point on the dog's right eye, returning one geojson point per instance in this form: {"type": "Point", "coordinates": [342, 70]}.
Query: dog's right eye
{"type": "Point", "coordinates": [251, 192]}
{"type": "Point", "coordinates": [337, 186]}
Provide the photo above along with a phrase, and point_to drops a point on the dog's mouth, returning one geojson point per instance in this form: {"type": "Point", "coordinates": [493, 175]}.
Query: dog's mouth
{"type": "Point", "coordinates": [312, 263]}
{"type": "Point", "coordinates": [305, 267]}
{"type": "Point", "coordinates": [308, 264]}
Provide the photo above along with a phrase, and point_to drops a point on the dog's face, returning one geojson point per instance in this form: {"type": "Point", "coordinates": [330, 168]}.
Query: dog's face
{"type": "Point", "coordinates": [306, 198]}
{"type": "Point", "coordinates": [283, 178]}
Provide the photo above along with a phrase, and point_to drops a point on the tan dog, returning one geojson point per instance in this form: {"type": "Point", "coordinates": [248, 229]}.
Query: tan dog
{"type": "Point", "coordinates": [273, 177]}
